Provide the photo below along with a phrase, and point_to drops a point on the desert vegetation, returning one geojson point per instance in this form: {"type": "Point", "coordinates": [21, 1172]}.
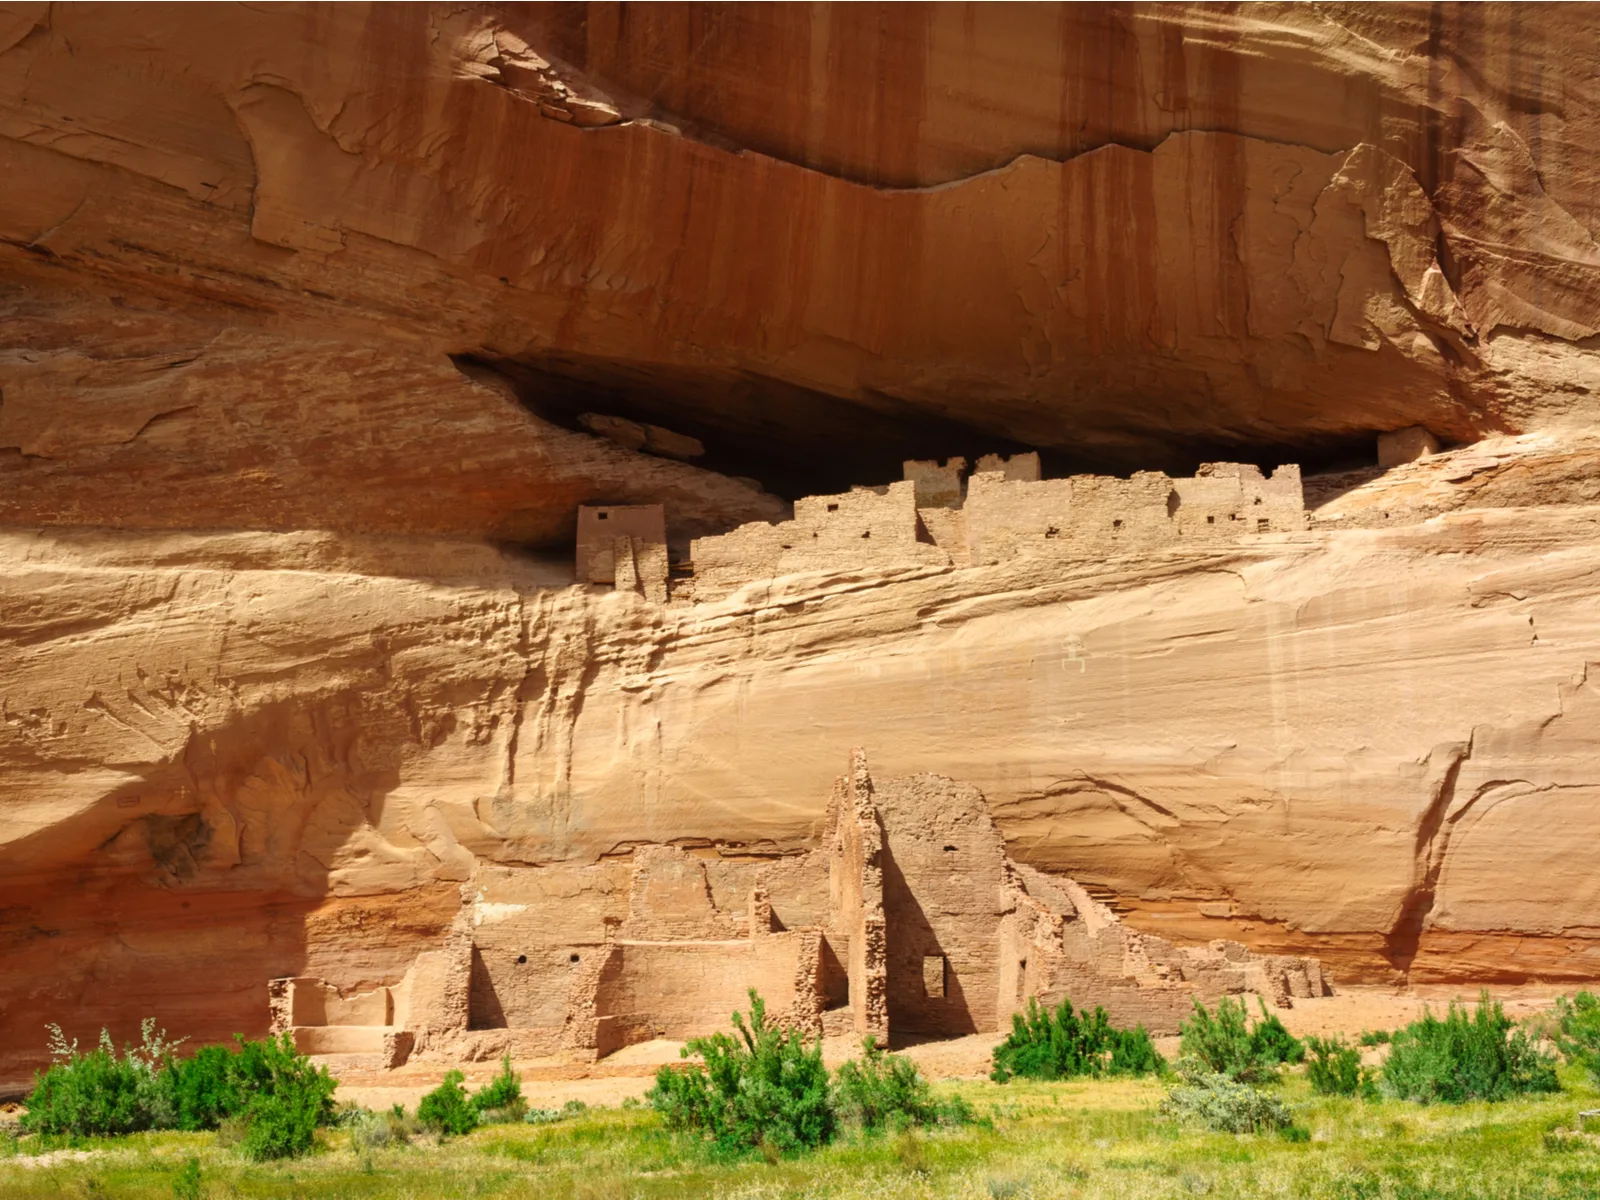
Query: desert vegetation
{"type": "Point", "coordinates": [1467, 1104]}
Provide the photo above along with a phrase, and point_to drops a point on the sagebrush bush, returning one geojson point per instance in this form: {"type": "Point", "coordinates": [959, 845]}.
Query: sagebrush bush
{"type": "Point", "coordinates": [97, 1093]}
{"type": "Point", "coordinates": [382, 1130]}
{"type": "Point", "coordinates": [1226, 1045]}
{"type": "Point", "coordinates": [446, 1109]}
{"type": "Point", "coordinates": [1577, 1032]}
{"type": "Point", "coordinates": [500, 1100]}
{"type": "Point", "coordinates": [1222, 1104]}
{"type": "Point", "coordinates": [1477, 1057]}
{"type": "Point", "coordinates": [1063, 1044]}
{"type": "Point", "coordinates": [572, 1108]}
{"type": "Point", "coordinates": [886, 1091]}
{"type": "Point", "coordinates": [1334, 1068]}
{"type": "Point", "coordinates": [767, 1088]}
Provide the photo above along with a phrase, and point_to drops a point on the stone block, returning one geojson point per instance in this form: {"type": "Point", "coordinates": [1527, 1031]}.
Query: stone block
{"type": "Point", "coordinates": [1405, 445]}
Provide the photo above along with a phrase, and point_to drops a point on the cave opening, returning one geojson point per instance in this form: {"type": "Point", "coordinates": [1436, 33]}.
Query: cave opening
{"type": "Point", "coordinates": [798, 442]}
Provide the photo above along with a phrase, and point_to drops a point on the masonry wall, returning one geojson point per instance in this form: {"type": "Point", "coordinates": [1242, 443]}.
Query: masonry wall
{"type": "Point", "coordinates": [864, 529]}
{"type": "Point", "coordinates": [1226, 501]}
{"type": "Point", "coordinates": [641, 567]}
{"type": "Point", "coordinates": [1084, 516]}
{"type": "Point", "coordinates": [313, 1002]}
{"type": "Point", "coordinates": [857, 935]}
{"type": "Point", "coordinates": [944, 861]}
{"type": "Point", "coordinates": [936, 485]}
{"type": "Point", "coordinates": [686, 989]}
{"type": "Point", "coordinates": [599, 525]}
{"type": "Point", "coordinates": [1004, 512]}
{"type": "Point", "coordinates": [531, 932]}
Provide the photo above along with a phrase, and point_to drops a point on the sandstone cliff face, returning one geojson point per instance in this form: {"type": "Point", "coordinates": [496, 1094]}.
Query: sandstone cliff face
{"type": "Point", "coordinates": [302, 304]}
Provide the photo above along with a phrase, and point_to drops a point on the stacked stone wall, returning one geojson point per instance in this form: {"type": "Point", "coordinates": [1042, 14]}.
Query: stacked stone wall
{"type": "Point", "coordinates": [1004, 512]}
{"type": "Point", "coordinates": [864, 529]}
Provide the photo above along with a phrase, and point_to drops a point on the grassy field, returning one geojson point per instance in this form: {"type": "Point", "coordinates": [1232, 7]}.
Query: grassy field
{"type": "Point", "coordinates": [1081, 1139]}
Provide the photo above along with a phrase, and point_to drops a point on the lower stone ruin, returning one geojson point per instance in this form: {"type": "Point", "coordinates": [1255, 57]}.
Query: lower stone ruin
{"type": "Point", "coordinates": [905, 919]}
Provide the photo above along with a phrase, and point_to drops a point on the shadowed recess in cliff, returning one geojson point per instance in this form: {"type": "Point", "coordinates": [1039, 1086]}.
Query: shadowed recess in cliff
{"type": "Point", "coordinates": [799, 442]}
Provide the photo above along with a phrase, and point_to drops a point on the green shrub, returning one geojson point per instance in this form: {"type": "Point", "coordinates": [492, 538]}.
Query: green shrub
{"type": "Point", "coordinates": [1226, 1045]}
{"type": "Point", "coordinates": [1274, 1043]}
{"type": "Point", "coordinates": [446, 1109]}
{"type": "Point", "coordinates": [766, 1089]}
{"type": "Point", "coordinates": [1374, 1037]}
{"type": "Point", "coordinates": [272, 1095]}
{"type": "Point", "coordinates": [1578, 1031]}
{"type": "Point", "coordinates": [1334, 1068]}
{"type": "Point", "coordinates": [886, 1091]}
{"type": "Point", "coordinates": [1225, 1105]}
{"type": "Point", "coordinates": [285, 1098]}
{"type": "Point", "coordinates": [97, 1093]}
{"type": "Point", "coordinates": [1065, 1044]}
{"type": "Point", "coordinates": [1481, 1057]}
{"type": "Point", "coordinates": [1133, 1053]}
{"type": "Point", "coordinates": [203, 1089]}
{"type": "Point", "coordinates": [501, 1099]}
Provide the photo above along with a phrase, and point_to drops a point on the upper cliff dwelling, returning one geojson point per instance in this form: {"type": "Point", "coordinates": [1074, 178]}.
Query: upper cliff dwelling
{"type": "Point", "coordinates": [471, 474]}
{"type": "Point", "coordinates": [935, 518]}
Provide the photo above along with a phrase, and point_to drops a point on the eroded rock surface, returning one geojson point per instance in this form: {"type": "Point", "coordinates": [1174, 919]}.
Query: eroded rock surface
{"type": "Point", "coordinates": [304, 310]}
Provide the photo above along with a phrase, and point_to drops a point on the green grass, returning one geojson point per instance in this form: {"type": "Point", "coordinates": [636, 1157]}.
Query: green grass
{"type": "Point", "coordinates": [1082, 1138]}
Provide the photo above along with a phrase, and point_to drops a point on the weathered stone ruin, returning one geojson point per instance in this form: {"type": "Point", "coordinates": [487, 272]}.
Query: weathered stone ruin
{"type": "Point", "coordinates": [624, 545]}
{"type": "Point", "coordinates": [906, 918]}
{"type": "Point", "coordinates": [1005, 510]}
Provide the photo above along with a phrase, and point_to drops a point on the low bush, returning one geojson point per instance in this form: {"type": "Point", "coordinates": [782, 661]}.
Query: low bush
{"type": "Point", "coordinates": [97, 1093]}
{"type": "Point", "coordinates": [1335, 1068]}
{"type": "Point", "coordinates": [1477, 1057]}
{"type": "Point", "coordinates": [446, 1109]}
{"type": "Point", "coordinates": [572, 1108]}
{"type": "Point", "coordinates": [1064, 1044]}
{"type": "Point", "coordinates": [382, 1130]}
{"type": "Point", "coordinates": [500, 1100]}
{"type": "Point", "coordinates": [1374, 1037]}
{"type": "Point", "coordinates": [886, 1091]}
{"type": "Point", "coordinates": [1225, 1105]}
{"type": "Point", "coordinates": [765, 1089]}
{"type": "Point", "coordinates": [1226, 1045]}
{"type": "Point", "coordinates": [1577, 1032]}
